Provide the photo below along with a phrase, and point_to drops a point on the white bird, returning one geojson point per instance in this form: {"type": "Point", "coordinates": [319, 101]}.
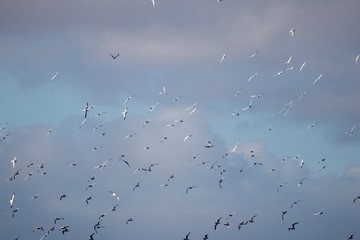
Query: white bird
{"type": "Point", "coordinates": [279, 73]}
{"type": "Point", "coordinates": [151, 108]}
{"type": "Point", "coordinates": [301, 181]}
{"type": "Point", "coordinates": [12, 200]}
{"type": "Point", "coordinates": [187, 137]}
{"type": "Point", "coordinates": [114, 194]}
{"type": "Point", "coordinates": [288, 61]}
{"type": "Point", "coordinates": [318, 78]}
{"type": "Point", "coordinates": [55, 76]}
{"type": "Point", "coordinates": [254, 54]}
{"type": "Point", "coordinates": [223, 58]}
{"type": "Point", "coordinates": [351, 132]}
{"type": "Point", "coordinates": [86, 109]}
{"type": "Point", "coordinates": [253, 76]}
{"type": "Point", "coordinates": [319, 213]}
{"type": "Point", "coordinates": [163, 92]}
{"type": "Point", "coordinates": [292, 32]}
{"type": "Point", "coordinates": [302, 163]}
{"type": "Point", "coordinates": [153, 2]}
{"type": "Point", "coordinates": [249, 106]}
{"type": "Point", "coordinates": [128, 98]}
{"type": "Point", "coordinates": [357, 58]}
{"type": "Point", "coordinates": [13, 162]}
{"type": "Point", "coordinates": [302, 66]}
{"type": "Point", "coordinates": [191, 107]}
{"type": "Point", "coordinates": [301, 96]}
{"type": "Point", "coordinates": [125, 113]}
{"type": "Point", "coordinates": [312, 125]}
{"type": "Point", "coordinates": [234, 148]}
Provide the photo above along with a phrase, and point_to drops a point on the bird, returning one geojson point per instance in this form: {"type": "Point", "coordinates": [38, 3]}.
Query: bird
{"type": "Point", "coordinates": [55, 75]}
{"type": "Point", "coordinates": [209, 144]}
{"type": "Point", "coordinates": [58, 219]}
{"type": "Point", "coordinates": [312, 125]}
{"type": "Point", "coordinates": [163, 92]}
{"type": "Point", "coordinates": [302, 66]}
{"type": "Point", "coordinates": [136, 185]}
{"type": "Point", "coordinates": [126, 162]}
{"type": "Point", "coordinates": [187, 137]}
{"type": "Point", "coordinates": [128, 98]}
{"type": "Point", "coordinates": [114, 194]}
{"type": "Point", "coordinates": [91, 237]}
{"type": "Point", "coordinates": [153, 3]}
{"type": "Point", "coordinates": [62, 197]}
{"type": "Point", "coordinates": [151, 108]}
{"type": "Point", "coordinates": [292, 32]}
{"type": "Point", "coordinates": [86, 110]}
{"type": "Point", "coordinates": [114, 56]}
{"type": "Point", "coordinates": [13, 162]}
{"type": "Point", "coordinates": [125, 113]}
{"type": "Point", "coordinates": [358, 197]}
{"type": "Point", "coordinates": [289, 60]}
{"type": "Point", "coordinates": [15, 211]}
{"type": "Point", "coordinates": [129, 220]}
{"type": "Point", "coordinates": [234, 148]}
{"type": "Point", "coordinates": [351, 132]}
{"type": "Point", "coordinates": [113, 209]}
{"type": "Point", "coordinates": [319, 213]}
{"type": "Point", "coordinates": [206, 237]}
{"type": "Point", "coordinates": [223, 57]}
{"type": "Point", "coordinates": [293, 226]}
{"type": "Point", "coordinates": [283, 214]}
{"type": "Point", "coordinates": [357, 58]}
{"type": "Point", "coordinates": [301, 181]}
{"type": "Point", "coordinates": [12, 200]}
{"type": "Point", "coordinates": [217, 223]}
{"type": "Point", "coordinates": [88, 199]}
{"type": "Point", "coordinates": [249, 106]}
{"type": "Point", "coordinates": [318, 78]}
{"type": "Point", "coordinates": [187, 236]}
{"type": "Point", "coordinates": [301, 96]}
{"type": "Point", "coordinates": [252, 219]}
{"type": "Point", "coordinates": [351, 236]}
{"type": "Point", "coordinates": [254, 54]}
{"type": "Point", "coordinates": [189, 188]}
{"type": "Point", "coordinates": [64, 229]}
{"type": "Point", "coordinates": [294, 203]}
{"type": "Point", "coordinates": [253, 76]}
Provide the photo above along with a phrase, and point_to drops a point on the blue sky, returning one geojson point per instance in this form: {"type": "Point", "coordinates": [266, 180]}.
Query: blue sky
{"type": "Point", "coordinates": [180, 45]}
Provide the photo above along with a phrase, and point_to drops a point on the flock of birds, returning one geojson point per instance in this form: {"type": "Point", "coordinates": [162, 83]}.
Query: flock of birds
{"type": "Point", "coordinates": [226, 220]}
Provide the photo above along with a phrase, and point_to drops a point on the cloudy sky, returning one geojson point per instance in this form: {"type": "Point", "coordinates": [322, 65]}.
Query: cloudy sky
{"type": "Point", "coordinates": [270, 119]}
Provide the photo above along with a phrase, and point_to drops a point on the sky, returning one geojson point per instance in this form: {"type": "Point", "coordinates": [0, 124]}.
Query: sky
{"type": "Point", "coordinates": [231, 116]}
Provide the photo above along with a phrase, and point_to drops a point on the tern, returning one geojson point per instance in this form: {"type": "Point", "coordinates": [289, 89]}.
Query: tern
{"type": "Point", "coordinates": [253, 76]}
{"type": "Point", "coordinates": [283, 214]}
{"type": "Point", "coordinates": [319, 213]}
{"type": "Point", "coordinates": [234, 148]}
{"type": "Point", "coordinates": [254, 54]}
{"type": "Point", "coordinates": [129, 220]}
{"type": "Point", "coordinates": [86, 109]}
{"type": "Point", "coordinates": [249, 106]}
{"type": "Point", "coordinates": [351, 236]}
{"type": "Point", "coordinates": [189, 188]}
{"type": "Point", "coordinates": [357, 58]}
{"type": "Point", "coordinates": [351, 132]}
{"type": "Point", "coordinates": [187, 236]}
{"type": "Point", "coordinates": [288, 61]}
{"type": "Point", "coordinates": [153, 3]}
{"type": "Point", "coordinates": [301, 181]}
{"type": "Point", "coordinates": [163, 92]}
{"type": "Point", "coordinates": [358, 197]}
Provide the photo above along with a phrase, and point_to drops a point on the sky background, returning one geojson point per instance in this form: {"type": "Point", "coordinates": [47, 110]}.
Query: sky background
{"type": "Point", "coordinates": [179, 45]}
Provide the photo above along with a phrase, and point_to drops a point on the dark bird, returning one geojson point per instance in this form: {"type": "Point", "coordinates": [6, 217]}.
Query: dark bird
{"type": "Point", "coordinates": [15, 211]}
{"type": "Point", "coordinates": [126, 162]}
{"type": "Point", "coordinates": [88, 199]}
{"type": "Point", "coordinates": [91, 237]}
{"type": "Point", "coordinates": [187, 236]}
{"type": "Point", "coordinates": [351, 236]}
{"type": "Point", "coordinates": [358, 197]}
{"type": "Point", "coordinates": [137, 185]}
{"type": "Point", "coordinates": [294, 203]}
{"type": "Point", "coordinates": [114, 56]}
{"type": "Point", "coordinates": [129, 220]}
{"type": "Point", "coordinates": [62, 197]}
{"type": "Point", "coordinates": [293, 226]}
{"type": "Point", "coordinates": [282, 215]}
{"type": "Point", "coordinates": [64, 229]}
{"type": "Point", "coordinates": [252, 219]}
{"type": "Point", "coordinates": [114, 208]}
{"type": "Point", "coordinates": [217, 223]}
{"type": "Point", "coordinates": [58, 219]}
{"type": "Point", "coordinates": [206, 237]}
{"type": "Point", "coordinates": [189, 188]}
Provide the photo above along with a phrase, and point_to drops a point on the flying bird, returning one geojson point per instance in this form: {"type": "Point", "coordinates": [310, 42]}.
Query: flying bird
{"type": "Point", "coordinates": [55, 75]}
{"type": "Point", "coordinates": [223, 57]}
{"type": "Point", "coordinates": [187, 236]}
{"type": "Point", "coordinates": [301, 181]}
{"type": "Point", "coordinates": [114, 56]}
{"type": "Point", "coordinates": [351, 236]}
{"type": "Point", "coordinates": [302, 66]}
{"type": "Point", "coordinates": [113, 209]}
{"type": "Point", "coordinates": [13, 162]}
{"type": "Point", "coordinates": [357, 58]}
{"type": "Point", "coordinates": [288, 61]}
{"type": "Point", "coordinates": [129, 220]}
{"type": "Point", "coordinates": [62, 197]}
{"type": "Point", "coordinates": [351, 132]}
{"type": "Point", "coordinates": [12, 200]}
{"type": "Point", "coordinates": [86, 110]}
{"type": "Point", "coordinates": [254, 54]}
{"type": "Point", "coordinates": [358, 197]}
{"type": "Point", "coordinates": [125, 113]}
{"type": "Point", "coordinates": [137, 185]}
{"type": "Point", "coordinates": [319, 213]}
{"type": "Point", "coordinates": [318, 78]}
{"type": "Point", "coordinates": [283, 214]}
{"type": "Point", "coordinates": [292, 32]}
{"type": "Point", "coordinates": [189, 188]}
{"type": "Point", "coordinates": [293, 226]}
{"type": "Point", "coordinates": [114, 194]}
{"type": "Point", "coordinates": [163, 92]}
{"type": "Point", "coordinates": [217, 223]}
{"type": "Point", "coordinates": [128, 98]}
{"type": "Point", "coordinates": [153, 3]}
